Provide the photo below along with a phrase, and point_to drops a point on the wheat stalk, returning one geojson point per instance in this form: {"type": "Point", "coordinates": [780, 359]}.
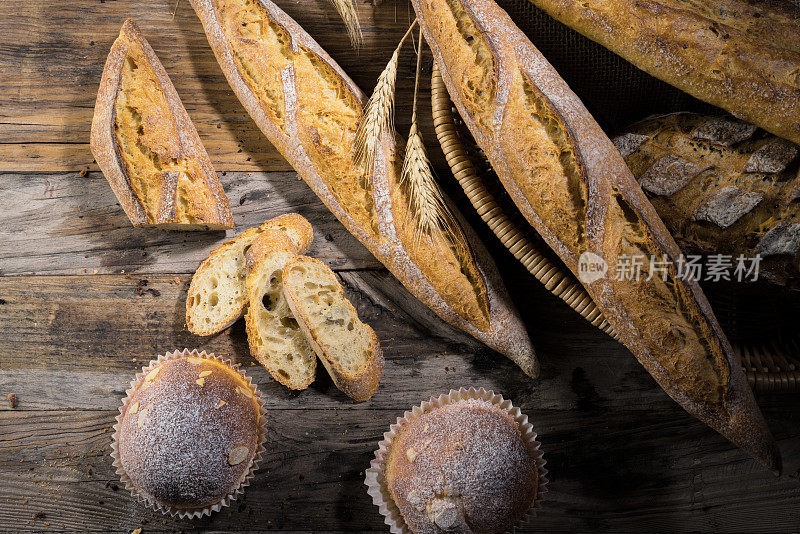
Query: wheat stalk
{"type": "Point", "coordinates": [378, 112]}
{"type": "Point", "coordinates": [347, 10]}
{"type": "Point", "coordinates": [425, 198]}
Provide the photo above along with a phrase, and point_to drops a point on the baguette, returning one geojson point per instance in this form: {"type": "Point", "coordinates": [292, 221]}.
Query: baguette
{"type": "Point", "coordinates": [217, 295]}
{"type": "Point", "coordinates": [721, 186]}
{"type": "Point", "coordinates": [348, 348]}
{"type": "Point", "coordinates": [572, 185]}
{"type": "Point", "coordinates": [740, 55]}
{"type": "Point", "coordinates": [275, 338]}
{"type": "Point", "coordinates": [147, 147]}
{"type": "Point", "coordinates": [309, 109]}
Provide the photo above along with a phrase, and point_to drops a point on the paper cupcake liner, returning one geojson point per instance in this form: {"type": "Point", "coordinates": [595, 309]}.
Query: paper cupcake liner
{"type": "Point", "coordinates": [190, 513]}
{"type": "Point", "coordinates": [376, 481]}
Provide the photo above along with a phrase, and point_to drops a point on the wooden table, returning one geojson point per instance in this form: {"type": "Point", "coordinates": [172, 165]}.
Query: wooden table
{"type": "Point", "coordinates": [86, 300]}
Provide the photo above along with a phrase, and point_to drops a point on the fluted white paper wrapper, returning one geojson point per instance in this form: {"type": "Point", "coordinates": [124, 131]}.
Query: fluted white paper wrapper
{"type": "Point", "coordinates": [376, 481]}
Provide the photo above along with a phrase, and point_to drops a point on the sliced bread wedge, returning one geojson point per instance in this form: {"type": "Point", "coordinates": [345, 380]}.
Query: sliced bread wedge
{"type": "Point", "coordinates": [348, 348]}
{"type": "Point", "coordinates": [148, 148]}
{"type": "Point", "coordinates": [274, 335]}
{"type": "Point", "coordinates": [217, 296]}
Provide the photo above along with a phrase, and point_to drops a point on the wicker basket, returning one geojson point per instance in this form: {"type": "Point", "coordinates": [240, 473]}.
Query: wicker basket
{"type": "Point", "coordinates": [760, 339]}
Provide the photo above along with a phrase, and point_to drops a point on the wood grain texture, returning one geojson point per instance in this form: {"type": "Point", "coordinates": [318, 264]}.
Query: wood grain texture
{"type": "Point", "coordinates": [602, 469]}
{"type": "Point", "coordinates": [622, 455]}
{"type": "Point", "coordinates": [52, 62]}
{"type": "Point", "coordinates": [66, 223]}
{"type": "Point", "coordinates": [86, 332]}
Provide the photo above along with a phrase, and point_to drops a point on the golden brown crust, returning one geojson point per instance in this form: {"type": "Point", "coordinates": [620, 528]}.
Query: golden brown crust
{"type": "Point", "coordinates": [719, 52]}
{"type": "Point", "coordinates": [147, 147]}
{"type": "Point", "coordinates": [462, 467]}
{"type": "Point", "coordinates": [189, 433]}
{"type": "Point", "coordinates": [309, 109]}
{"type": "Point", "coordinates": [721, 187]}
{"type": "Point", "coordinates": [575, 189]}
{"type": "Point", "coordinates": [274, 239]}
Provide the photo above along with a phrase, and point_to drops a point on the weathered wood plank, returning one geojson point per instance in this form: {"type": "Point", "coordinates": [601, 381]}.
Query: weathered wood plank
{"type": "Point", "coordinates": [85, 332]}
{"type": "Point", "coordinates": [609, 471]}
{"type": "Point", "coordinates": [52, 56]}
{"type": "Point", "coordinates": [71, 224]}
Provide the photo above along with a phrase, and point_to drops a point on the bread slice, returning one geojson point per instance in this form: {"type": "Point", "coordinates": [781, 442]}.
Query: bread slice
{"type": "Point", "coordinates": [217, 296]}
{"type": "Point", "coordinates": [348, 348]}
{"type": "Point", "coordinates": [148, 148]}
{"type": "Point", "coordinates": [275, 338]}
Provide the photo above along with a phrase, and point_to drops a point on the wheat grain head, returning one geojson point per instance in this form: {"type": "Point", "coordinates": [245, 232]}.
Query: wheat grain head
{"type": "Point", "coordinates": [378, 114]}
{"type": "Point", "coordinates": [347, 11]}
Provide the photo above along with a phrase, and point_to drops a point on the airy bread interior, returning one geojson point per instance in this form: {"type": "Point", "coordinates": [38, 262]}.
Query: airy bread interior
{"type": "Point", "coordinates": [275, 338]}
{"type": "Point", "coordinates": [348, 348]}
{"type": "Point", "coordinates": [217, 295]}
{"type": "Point", "coordinates": [347, 341]}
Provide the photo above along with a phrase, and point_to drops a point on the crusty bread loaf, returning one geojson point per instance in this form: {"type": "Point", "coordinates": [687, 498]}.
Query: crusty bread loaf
{"type": "Point", "coordinates": [217, 296]}
{"type": "Point", "coordinates": [309, 109]}
{"type": "Point", "coordinates": [147, 147]}
{"type": "Point", "coordinates": [721, 186]}
{"type": "Point", "coordinates": [740, 55]}
{"type": "Point", "coordinates": [348, 348]}
{"type": "Point", "coordinates": [572, 185]}
{"type": "Point", "coordinates": [275, 338]}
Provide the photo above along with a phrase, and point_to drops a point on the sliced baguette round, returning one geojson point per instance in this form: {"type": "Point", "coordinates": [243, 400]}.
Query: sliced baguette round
{"type": "Point", "coordinates": [348, 348]}
{"type": "Point", "coordinates": [274, 335]}
{"type": "Point", "coordinates": [217, 297]}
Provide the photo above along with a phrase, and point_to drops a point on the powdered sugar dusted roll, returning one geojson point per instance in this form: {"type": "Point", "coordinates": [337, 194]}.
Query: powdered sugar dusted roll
{"type": "Point", "coordinates": [466, 462]}
{"type": "Point", "coordinates": [190, 434]}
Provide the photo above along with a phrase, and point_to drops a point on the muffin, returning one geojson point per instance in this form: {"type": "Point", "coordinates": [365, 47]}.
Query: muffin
{"type": "Point", "coordinates": [189, 434]}
{"type": "Point", "coordinates": [464, 463]}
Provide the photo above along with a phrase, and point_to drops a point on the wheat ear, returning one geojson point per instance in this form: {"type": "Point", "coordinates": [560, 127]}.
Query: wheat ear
{"type": "Point", "coordinates": [425, 198]}
{"type": "Point", "coordinates": [378, 114]}
{"type": "Point", "coordinates": [347, 10]}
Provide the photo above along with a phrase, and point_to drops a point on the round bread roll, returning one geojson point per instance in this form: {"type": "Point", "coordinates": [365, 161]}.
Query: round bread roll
{"type": "Point", "coordinates": [189, 433]}
{"type": "Point", "coordinates": [461, 467]}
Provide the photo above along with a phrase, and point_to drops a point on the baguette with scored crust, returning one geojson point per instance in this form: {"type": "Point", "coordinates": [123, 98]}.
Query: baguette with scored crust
{"type": "Point", "coordinates": [573, 186]}
{"type": "Point", "coordinates": [310, 109]}
{"type": "Point", "coordinates": [740, 55]}
{"type": "Point", "coordinates": [147, 147]}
